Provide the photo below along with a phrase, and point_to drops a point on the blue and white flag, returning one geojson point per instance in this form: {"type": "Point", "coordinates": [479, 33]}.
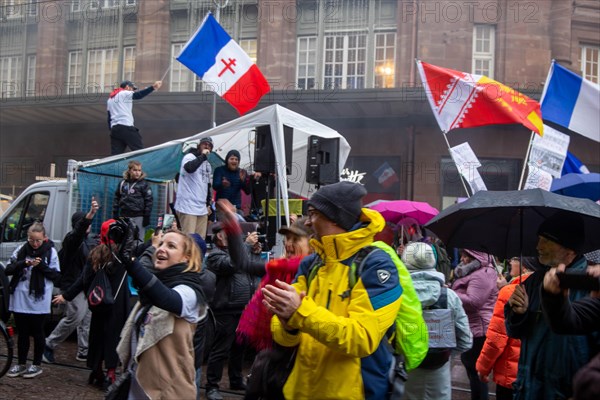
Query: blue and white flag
{"type": "Point", "coordinates": [573, 165]}
{"type": "Point", "coordinates": [226, 68]}
{"type": "Point", "coordinates": [571, 101]}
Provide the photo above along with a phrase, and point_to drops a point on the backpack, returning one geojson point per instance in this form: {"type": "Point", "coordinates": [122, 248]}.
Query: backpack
{"type": "Point", "coordinates": [410, 337]}
{"type": "Point", "coordinates": [442, 336]}
{"type": "Point", "coordinates": [100, 295]}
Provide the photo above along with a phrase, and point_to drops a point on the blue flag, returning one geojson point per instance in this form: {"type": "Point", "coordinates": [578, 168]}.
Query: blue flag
{"type": "Point", "coordinates": [571, 101]}
{"type": "Point", "coordinates": [573, 165]}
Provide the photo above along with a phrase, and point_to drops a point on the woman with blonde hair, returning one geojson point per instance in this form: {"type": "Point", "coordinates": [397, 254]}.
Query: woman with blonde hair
{"type": "Point", "coordinates": [156, 345]}
{"type": "Point", "coordinates": [33, 266]}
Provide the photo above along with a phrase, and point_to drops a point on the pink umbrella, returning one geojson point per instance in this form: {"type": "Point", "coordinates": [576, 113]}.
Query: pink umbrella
{"type": "Point", "coordinates": [396, 210]}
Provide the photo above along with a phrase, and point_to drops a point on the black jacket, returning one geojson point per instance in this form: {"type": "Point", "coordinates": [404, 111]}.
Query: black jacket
{"type": "Point", "coordinates": [133, 199]}
{"type": "Point", "coordinates": [75, 249]}
{"type": "Point", "coordinates": [236, 283]}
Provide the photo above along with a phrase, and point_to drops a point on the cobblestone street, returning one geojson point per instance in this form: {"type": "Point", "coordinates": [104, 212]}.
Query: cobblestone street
{"type": "Point", "coordinates": [67, 379]}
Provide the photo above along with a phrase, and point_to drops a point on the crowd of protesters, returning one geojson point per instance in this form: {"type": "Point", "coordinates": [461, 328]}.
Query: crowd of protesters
{"type": "Point", "coordinates": [329, 330]}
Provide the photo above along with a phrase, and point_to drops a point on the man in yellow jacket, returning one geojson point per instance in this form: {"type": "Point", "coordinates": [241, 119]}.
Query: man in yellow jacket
{"type": "Point", "coordinates": [340, 330]}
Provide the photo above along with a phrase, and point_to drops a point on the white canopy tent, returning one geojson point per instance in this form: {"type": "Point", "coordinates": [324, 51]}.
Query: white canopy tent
{"type": "Point", "coordinates": [162, 161]}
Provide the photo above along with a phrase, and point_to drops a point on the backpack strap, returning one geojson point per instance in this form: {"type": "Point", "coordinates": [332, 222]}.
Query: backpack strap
{"type": "Point", "coordinates": [313, 269]}
{"type": "Point", "coordinates": [358, 265]}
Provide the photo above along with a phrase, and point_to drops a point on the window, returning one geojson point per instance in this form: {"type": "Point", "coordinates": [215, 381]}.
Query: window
{"type": "Point", "coordinates": [102, 70]}
{"type": "Point", "coordinates": [249, 46]}
{"type": "Point", "coordinates": [10, 76]}
{"type": "Point", "coordinates": [129, 63]}
{"type": "Point", "coordinates": [307, 62]}
{"type": "Point", "coordinates": [590, 58]}
{"type": "Point", "coordinates": [483, 50]}
{"type": "Point", "coordinates": [180, 75]}
{"type": "Point", "coordinates": [31, 209]}
{"type": "Point", "coordinates": [75, 5]}
{"type": "Point", "coordinates": [18, 8]}
{"type": "Point", "coordinates": [30, 83]}
{"type": "Point", "coordinates": [74, 73]}
{"type": "Point", "coordinates": [104, 4]}
{"type": "Point", "coordinates": [345, 61]}
{"type": "Point", "coordinates": [385, 55]}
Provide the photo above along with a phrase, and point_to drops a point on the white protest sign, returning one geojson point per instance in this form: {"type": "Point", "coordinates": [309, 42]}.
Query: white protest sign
{"type": "Point", "coordinates": [548, 152]}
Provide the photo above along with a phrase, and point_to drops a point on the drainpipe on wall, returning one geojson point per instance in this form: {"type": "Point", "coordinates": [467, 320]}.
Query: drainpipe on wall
{"type": "Point", "coordinates": [410, 179]}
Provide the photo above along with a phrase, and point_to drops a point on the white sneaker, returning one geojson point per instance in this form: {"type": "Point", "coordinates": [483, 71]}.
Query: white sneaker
{"type": "Point", "coordinates": [16, 370]}
{"type": "Point", "coordinates": [33, 371]}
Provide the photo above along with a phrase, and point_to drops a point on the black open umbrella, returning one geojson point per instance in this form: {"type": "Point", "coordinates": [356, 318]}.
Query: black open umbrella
{"type": "Point", "coordinates": [505, 224]}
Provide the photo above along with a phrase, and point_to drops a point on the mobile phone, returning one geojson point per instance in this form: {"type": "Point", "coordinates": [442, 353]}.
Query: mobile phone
{"type": "Point", "coordinates": [578, 280]}
{"type": "Point", "coordinates": [166, 221]}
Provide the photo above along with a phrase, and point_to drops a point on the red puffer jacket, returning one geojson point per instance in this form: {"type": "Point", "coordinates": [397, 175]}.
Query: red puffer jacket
{"type": "Point", "coordinates": [500, 353]}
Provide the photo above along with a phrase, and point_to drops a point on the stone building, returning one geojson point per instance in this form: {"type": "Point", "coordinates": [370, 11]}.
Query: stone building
{"type": "Point", "coordinates": [346, 63]}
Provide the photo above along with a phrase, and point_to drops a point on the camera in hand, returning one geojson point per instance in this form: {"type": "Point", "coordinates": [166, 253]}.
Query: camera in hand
{"type": "Point", "coordinates": [578, 280]}
{"type": "Point", "coordinates": [118, 230]}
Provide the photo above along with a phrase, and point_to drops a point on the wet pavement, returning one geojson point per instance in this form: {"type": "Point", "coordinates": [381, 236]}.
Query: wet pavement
{"type": "Point", "coordinates": [67, 379]}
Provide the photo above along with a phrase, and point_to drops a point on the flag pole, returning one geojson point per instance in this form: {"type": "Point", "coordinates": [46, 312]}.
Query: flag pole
{"type": "Point", "coordinates": [166, 72]}
{"type": "Point", "coordinates": [213, 116]}
{"type": "Point", "coordinates": [526, 160]}
{"type": "Point", "coordinates": [462, 178]}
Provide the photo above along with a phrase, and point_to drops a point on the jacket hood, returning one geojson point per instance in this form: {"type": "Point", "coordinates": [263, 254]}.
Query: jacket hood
{"type": "Point", "coordinates": [484, 259]}
{"type": "Point", "coordinates": [428, 285]}
{"type": "Point", "coordinates": [342, 246]}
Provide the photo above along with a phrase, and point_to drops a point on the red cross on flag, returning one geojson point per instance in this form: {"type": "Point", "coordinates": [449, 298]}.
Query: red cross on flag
{"type": "Point", "coordinates": [223, 66]}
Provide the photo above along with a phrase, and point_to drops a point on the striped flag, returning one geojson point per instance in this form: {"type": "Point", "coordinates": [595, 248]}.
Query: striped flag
{"type": "Point", "coordinates": [572, 102]}
{"type": "Point", "coordinates": [221, 63]}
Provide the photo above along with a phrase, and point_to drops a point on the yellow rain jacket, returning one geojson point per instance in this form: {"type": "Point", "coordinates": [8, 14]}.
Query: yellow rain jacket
{"type": "Point", "coordinates": [340, 331]}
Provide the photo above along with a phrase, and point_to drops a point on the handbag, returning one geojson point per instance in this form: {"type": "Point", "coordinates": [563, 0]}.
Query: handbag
{"type": "Point", "coordinates": [100, 296]}
{"type": "Point", "coordinates": [119, 390]}
{"type": "Point", "coordinates": [269, 372]}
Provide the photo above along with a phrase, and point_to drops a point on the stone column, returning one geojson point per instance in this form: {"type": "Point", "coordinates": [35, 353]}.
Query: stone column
{"type": "Point", "coordinates": [153, 48]}
{"type": "Point", "coordinates": [560, 32]}
{"type": "Point", "coordinates": [277, 42]}
{"type": "Point", "coordinates": [51, 52]}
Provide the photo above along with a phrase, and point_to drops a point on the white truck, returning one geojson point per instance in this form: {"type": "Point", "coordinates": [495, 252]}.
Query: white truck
{"type": "Point", "coordinates": [54, 201]}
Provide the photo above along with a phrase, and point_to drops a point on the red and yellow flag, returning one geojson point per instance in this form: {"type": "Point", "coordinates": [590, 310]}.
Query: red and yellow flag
{"type": "Point", "coordinates": [463, 100]}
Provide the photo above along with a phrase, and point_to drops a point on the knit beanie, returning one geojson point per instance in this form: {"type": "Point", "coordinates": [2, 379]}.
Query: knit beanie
{"type": "Point", "coordinates": [76, 217]}
{"type": "Point", "coordinates": [418, 255]}
{"type": "Point", "coordinates": [564, 228]}
{"type": "Point", "coordinates": [340, 202]}
{"type": "Point", "coordinates": [208, 140]}
{"type": "Point", "coordinates": [200, 242]}
{"type": "Point", "coordinates": [233, 153]}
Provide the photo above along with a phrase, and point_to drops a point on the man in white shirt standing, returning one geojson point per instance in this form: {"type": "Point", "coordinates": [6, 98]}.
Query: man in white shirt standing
{"type": "Point", "coordinates": [193, 190]}
{"type": "Point", "coordinates": [120, 116]}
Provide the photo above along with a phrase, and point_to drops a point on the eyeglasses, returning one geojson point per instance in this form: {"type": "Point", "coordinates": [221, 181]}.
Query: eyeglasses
{"type": "Point", "coordinates": [312, 213]}
{"type": "Point", "coordinates": [38, 241]}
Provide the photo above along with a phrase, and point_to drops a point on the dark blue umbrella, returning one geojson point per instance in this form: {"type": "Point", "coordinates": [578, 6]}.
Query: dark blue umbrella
{"type": "Point", "coordinates": [583, 186]}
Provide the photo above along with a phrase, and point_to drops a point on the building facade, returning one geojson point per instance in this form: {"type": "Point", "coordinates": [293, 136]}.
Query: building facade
{"type": "Point", "coordinates": [346, 63]}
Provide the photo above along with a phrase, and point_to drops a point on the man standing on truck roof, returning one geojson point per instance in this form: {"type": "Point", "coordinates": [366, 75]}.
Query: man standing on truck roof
{"type": "Point", "coordinates": [73, 256]}
{"type": "Point", "coordinates": [120, 116]}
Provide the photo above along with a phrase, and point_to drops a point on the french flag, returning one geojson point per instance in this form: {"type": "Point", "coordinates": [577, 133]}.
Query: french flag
{"type": "Point", "coordinates": [385, 175]}
{"type": "Point", "coordinates": [222, 64]}
{"type": "Point", "coordinates": [572, 102]}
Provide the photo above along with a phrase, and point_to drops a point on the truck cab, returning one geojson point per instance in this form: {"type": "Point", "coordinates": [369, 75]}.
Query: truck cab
{"type": "Point", "coordinates": [43, 201]}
